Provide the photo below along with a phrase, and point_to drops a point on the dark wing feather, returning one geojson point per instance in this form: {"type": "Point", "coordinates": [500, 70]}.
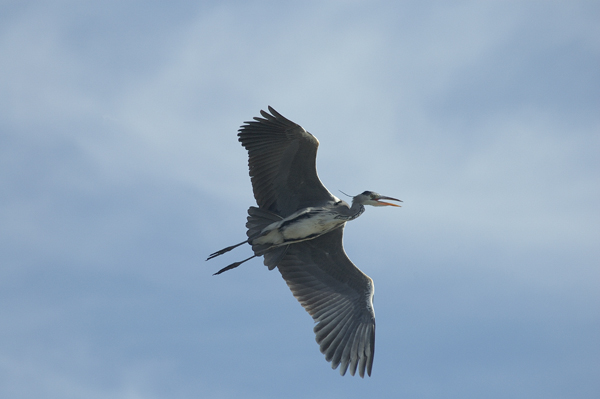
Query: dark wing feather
{"type": "Point", "coordinates": [338, 296]}
{"type": "Point", "coordinates": [282, 161]}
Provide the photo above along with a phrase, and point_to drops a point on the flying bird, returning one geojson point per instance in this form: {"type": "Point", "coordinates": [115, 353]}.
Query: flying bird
{"type": "Point", "coordinates": [298, 228]}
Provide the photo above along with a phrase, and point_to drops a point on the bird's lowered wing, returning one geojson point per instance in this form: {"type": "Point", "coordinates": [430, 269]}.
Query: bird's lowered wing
{"type": "Point", "coordinates": [338, 296]}
{"type": "Point", "coordinates": [282, 161]}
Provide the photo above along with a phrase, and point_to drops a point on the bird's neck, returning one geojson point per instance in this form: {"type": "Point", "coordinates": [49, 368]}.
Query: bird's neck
{"type": "Point", "coordinates": [356, 210]}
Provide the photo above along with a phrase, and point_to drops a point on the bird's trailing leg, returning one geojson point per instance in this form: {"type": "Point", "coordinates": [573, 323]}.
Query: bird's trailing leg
{"type": "Point", "coordinates": [233, 265]}
{"type": "Point", "coordinates": [224, 250]}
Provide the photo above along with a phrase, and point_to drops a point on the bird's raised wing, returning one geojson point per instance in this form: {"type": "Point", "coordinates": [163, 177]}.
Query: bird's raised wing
{"type": "Point", "coordinates": [282, 161]}
{"type": "Point", "coordinates": [338, 296]}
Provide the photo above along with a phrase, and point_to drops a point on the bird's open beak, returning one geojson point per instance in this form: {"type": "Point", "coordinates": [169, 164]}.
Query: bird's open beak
{"type": "Point", "coordinates": [388, 203]}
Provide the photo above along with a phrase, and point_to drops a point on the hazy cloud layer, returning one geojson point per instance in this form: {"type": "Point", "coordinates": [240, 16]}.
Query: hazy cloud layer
{"type": "Point", "coordinates": [121, 171]}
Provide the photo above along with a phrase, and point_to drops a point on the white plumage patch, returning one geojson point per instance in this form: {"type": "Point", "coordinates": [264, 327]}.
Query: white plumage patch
{"type": "Point", "coordinates": [303, 225]}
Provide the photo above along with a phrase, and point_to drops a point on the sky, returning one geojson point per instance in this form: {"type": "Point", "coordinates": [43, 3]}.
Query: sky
{"type": "Point", "coordinates": [120, 172]}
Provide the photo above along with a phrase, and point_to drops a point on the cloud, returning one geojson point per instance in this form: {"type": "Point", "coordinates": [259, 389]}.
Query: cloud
{"type": "Point", "coordinates": [121, 172]}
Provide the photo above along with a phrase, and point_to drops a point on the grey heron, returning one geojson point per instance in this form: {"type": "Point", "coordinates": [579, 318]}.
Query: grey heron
{"type": "Point", "coordinates": [298, 227]}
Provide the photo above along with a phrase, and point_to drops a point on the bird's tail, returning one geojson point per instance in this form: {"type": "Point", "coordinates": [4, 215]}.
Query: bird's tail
{"type": "Point", "coordinates": [258, 219]}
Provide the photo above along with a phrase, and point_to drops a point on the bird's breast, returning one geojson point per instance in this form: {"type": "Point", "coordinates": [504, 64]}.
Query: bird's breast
{"type": "Point", "coordinates": [310, 225]}
{"type": "Point", "coordinates": [303, 225]}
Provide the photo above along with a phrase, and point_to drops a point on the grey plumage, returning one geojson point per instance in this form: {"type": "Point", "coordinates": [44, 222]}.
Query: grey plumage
{"type": "Point", "coordinates": [298, 228]}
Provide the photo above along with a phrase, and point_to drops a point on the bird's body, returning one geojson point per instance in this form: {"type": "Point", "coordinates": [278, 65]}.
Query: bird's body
{"type": "Point", "coordinates": [307, 223]}
{"type": "Point", "coordinates": [298, 227]}
{"type": "Point", "coordinates": [303, 225]}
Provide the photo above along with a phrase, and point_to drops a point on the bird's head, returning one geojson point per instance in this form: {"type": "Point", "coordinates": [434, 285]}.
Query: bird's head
{"type": "Point", "coordinates": [374, 199]}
